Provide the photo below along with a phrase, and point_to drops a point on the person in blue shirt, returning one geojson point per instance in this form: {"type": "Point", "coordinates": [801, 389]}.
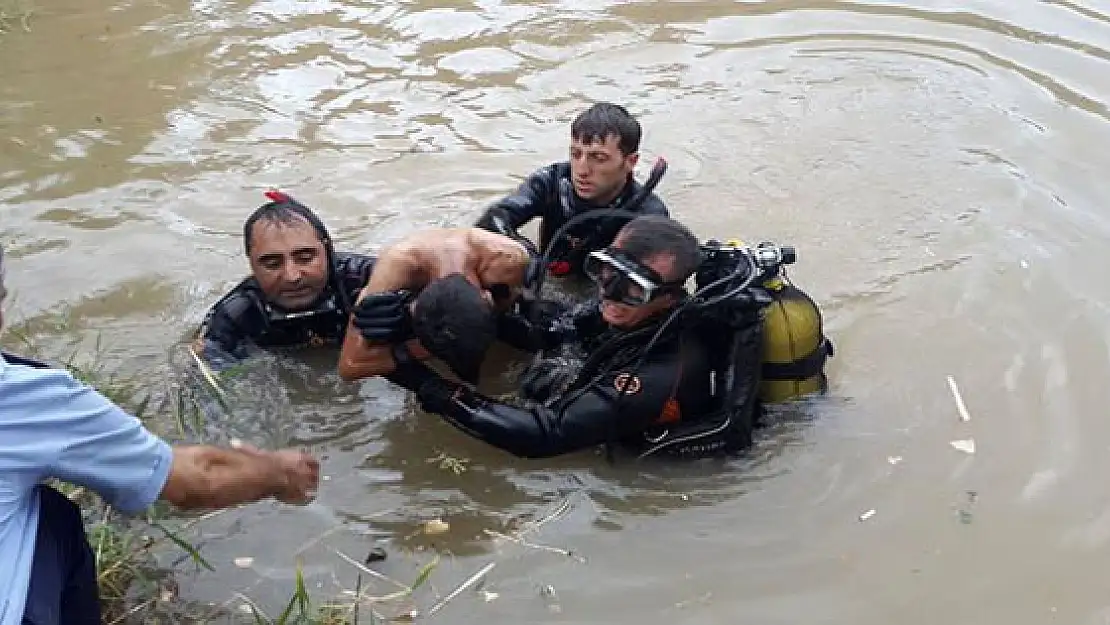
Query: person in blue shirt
{"type": "Point", "coordinates": [53, 426]}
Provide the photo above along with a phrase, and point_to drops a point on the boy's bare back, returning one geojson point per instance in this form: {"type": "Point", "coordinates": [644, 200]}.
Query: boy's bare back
{"type": "Point", "coordinates": [485, 258]}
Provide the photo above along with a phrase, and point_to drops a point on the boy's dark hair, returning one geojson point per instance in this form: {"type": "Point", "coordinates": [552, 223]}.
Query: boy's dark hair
{"type": "Point", "coordinates": [652, 235]}
{"type": "Point", "coordinates": [599, 121]}
{"type": "Point", "coordinates": [455, 323]}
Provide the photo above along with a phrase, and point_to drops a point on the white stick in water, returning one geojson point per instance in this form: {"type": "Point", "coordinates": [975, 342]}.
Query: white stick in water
{"type": "Point", "coordinates": [964, 415]}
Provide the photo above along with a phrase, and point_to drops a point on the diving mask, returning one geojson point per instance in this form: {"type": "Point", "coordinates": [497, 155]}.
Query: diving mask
{"type": "Point", "coordinates": [624, 279]}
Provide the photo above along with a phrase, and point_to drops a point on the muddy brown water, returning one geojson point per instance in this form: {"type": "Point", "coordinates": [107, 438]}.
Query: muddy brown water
{"type": "Point", "coordinates": [940, 166]}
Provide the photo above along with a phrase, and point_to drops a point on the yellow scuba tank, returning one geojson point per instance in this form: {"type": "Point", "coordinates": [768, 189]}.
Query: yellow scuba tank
{"type": "Point", "coordinates": [794, 344]}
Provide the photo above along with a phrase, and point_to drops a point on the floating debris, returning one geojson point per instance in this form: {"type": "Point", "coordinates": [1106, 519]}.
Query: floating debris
{"type": "Point", "coordinates": [244, 562]}
{"type": "Point", "coordinates": [377, 554]}
{"type": "Point", "coordinates": [436, 526]}
{"type": "Point", "coordinates": [966, 445]}
{"type": "Point", "coordinates": [489, 596]}
{"type": "Point", "coordinates": [964, 414]}
{"type": "Point", "coordinates": [894, 459]}
{"type": "Point", "coordinates": [965, 511]}
{"type": "Point", "coordinates": [470, 581]}
{"type": "Point", "coordinates": [687, 603]}
{"type": "Point", "coordinates": [867, 515]}
{"type": "Point", "coordinates": [547, 591]}
{"type": "Point", "coordinates": [450, 463]}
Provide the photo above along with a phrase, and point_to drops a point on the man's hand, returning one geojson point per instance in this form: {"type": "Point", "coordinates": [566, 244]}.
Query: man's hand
{"type": "Point", "coordinates": [384, 317]}
{"type": "Point", "coordinates": [301, 471]}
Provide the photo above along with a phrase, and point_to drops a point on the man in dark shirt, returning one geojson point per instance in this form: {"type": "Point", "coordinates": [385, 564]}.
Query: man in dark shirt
{"type": "Point", "coordinates": [604, 149]}
{"type": "Point", "coordinates": [299, 292]}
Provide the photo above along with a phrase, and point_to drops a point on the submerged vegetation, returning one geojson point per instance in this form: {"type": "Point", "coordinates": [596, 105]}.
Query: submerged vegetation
{"type": "Point", "coordinates": [15, 14]}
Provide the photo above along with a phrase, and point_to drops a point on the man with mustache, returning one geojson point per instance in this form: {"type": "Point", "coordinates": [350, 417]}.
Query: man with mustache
{"type": "Point", "coordinates": [299, 293]}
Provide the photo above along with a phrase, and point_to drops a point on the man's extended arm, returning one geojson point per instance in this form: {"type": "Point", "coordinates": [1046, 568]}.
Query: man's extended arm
{"type": "Point", "coordinates": [88, 440]}
{"type": "Point", "coordinates": [203, 476]}
{"type": "Point", "coordinates": [578, 420]}
{"type": "Point", "coordinates": [526, 203]}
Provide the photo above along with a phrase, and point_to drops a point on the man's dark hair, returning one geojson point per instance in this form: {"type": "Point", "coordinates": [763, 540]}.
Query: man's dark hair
{"type": "Point", "coordinates": [596, 123]}
{"type": "Point", "coordinates": [283, 210]}
{"type": "Point", "coordinates": [653, 235]}
{"type": "Point", "coordinates": [455, 323]}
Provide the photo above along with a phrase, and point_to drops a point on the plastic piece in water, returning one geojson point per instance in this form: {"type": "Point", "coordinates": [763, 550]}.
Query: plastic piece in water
{"type": "Point", "coordinates": [966, 445]}
{"type": "Point", "coordinates": [436, 526]}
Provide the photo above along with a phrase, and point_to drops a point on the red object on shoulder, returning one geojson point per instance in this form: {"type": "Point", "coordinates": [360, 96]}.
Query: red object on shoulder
{"type": "Point", "coordinates": [558, 268]}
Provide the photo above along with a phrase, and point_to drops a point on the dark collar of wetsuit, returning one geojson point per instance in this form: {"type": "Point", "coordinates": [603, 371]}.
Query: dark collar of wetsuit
{"type": "Point", "coordinates": [582, 204]}
{"type": "Point", "coordinates": [325, 302]}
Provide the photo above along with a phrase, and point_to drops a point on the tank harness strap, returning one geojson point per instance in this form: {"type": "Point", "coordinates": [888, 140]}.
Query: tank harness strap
{"type": "Point", "coordinates": [806, 367]}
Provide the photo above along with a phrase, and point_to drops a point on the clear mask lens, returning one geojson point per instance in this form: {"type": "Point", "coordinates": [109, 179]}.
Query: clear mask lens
{"type": "Point", "coordinates": [619, 281]}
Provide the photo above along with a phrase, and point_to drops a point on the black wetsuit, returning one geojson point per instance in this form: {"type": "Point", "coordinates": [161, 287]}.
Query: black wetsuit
{"type": "Point", "coordinates": [243, 318]}
{"type": "Point", "coordinates": [549, 195]}
{"type": "Point", "coordinates": [676, 393]}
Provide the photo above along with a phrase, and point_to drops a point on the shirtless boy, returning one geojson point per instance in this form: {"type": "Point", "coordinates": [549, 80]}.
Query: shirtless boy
{"type": "Point", "coordinates": [459, 279]}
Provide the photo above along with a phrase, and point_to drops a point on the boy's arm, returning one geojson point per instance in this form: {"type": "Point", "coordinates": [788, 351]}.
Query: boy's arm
{"type": "Point", "coordinates": [397, 268]}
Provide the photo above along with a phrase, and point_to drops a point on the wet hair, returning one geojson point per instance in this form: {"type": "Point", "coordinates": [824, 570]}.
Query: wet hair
{"type": "Point", "coordinates": [285, 211]}
{"type": "Point", "coordinates": [455, 323]}
{"type": "Point", "coordinates": [652, 235]}
{"type": "Point", "coordinates": [599, 121]}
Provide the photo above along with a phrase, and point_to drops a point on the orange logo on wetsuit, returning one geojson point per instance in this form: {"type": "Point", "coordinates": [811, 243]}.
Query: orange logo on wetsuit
{"type": "Point", "coordinates": [671, 413]}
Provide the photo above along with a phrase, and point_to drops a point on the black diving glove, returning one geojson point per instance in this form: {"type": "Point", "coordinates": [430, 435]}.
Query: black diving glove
{"type": "Point", "coordinates": [534, 325]}
{"type": "Point", "coordinates": [437, 395]}
{"type": "Point", "coordinates": [409, 373]}
{"type": "Point", "coordinates": [384, 316]}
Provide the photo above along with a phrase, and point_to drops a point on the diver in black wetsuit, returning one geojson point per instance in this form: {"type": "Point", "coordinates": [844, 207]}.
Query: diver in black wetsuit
{"type": "Point", "coordinates": [299, 293]}
{"type": "Point", "coordinates": [604, 149]}
{"type": "Point", "coordinates": [656, 379]}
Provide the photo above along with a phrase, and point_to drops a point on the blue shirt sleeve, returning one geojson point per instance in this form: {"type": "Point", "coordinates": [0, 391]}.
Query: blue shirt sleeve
{"type": "Point", "coordinates": [77, 435]}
